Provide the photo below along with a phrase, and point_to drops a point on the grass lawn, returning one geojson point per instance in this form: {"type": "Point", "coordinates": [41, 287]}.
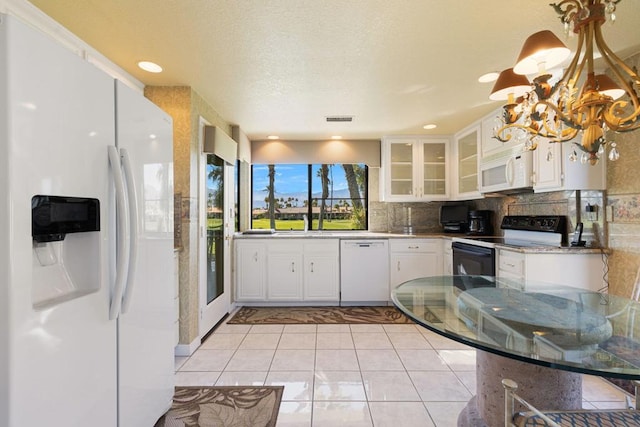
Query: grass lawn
{"type": "Point", "coordinates": [298, 224]}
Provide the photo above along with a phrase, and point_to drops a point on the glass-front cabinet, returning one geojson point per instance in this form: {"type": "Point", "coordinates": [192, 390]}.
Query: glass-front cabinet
{"type": "Point", "coordinates": [465, 177]}
{"type": "Point", "coordinates": [415, 168]}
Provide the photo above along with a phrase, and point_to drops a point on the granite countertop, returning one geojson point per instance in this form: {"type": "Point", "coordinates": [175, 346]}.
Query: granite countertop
{"type": "Point", "coordinates": [337, 234]}
{"type": "Point", "coordinates": [344, 235]}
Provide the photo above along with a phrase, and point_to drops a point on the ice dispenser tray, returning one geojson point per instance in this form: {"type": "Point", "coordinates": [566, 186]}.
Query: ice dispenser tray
{"type": "Point", "coordinates": [66, 252]}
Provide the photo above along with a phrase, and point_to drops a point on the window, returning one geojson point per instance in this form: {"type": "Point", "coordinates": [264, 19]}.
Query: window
{"type": "Point", "coordinates": [332, 196]}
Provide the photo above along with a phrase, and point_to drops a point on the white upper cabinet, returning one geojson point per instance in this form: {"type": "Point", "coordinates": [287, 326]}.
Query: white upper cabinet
{"type": "Point", "coordinates": [466, 145]}
{"type": "Point", "coordinates": [554, 171]}
{"type": "Point", "coordinates": [414, 169]}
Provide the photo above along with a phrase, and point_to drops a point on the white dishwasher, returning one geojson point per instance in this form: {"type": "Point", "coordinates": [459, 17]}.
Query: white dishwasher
{"type": "Point", "coordinates": [364, 272]}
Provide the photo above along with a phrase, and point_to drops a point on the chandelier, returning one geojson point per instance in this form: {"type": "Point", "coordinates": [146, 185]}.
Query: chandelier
{"type": "Point", "coordinates": [581, 101]}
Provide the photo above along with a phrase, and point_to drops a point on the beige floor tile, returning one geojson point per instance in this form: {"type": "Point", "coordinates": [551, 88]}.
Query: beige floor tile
{"type": "Point", "coordinates": [400, 414]}
{"type": "Point", "coordinates": [439, 386]}
{"type": "Point", "coordinates": [459, 360]}
{"type": "Point", "coordinates": [338, 414]}
{"type": "Point", "coordinates": [400, 328]}
{"type": "Point", "coordinates": [228, 378]}
{"type": "Point", "coordinates": [260, 341]}
{"type": "Point", "coordinates": [422, 360]}
{"type": "Point", "coordinates": [366, 328]}
{"type": "Point", "coordinates": [293, 360]}
{"type": "Point", "coordinates": [228, 341]}
{"type": "Point", "coordinates": [207, 360]}
{"type": "Point", "coordinates": [445, 414]}
{"type": "Point", "coordinates": [339, 328]}
{"type": "Point", "coordinates": [379, 360]}
{"type": "Point", "coordinates": [333, 340]}
{"type": "Point", "coordinates": [189, 379]}
{"type": "Point", "coordinates": [296, 329]}
{"type": "Point", "coordinates": [232, 329]}
{"type": "Point", "coordinates": [251, 360]}
{"type": "Point", "coordinates": [294, 414]}
{"type": "Point", "coordinates": [298, 385]}
{"type": "Point", "coordinates": [388, 386]}
{"type": "Point", "coordinates": [266, 329]}
{"type": "Point", "coordinates": [371, 340]}
{"type": "Point", "coordinates": [336, 360]}
{"type": "Point", "coordinates": [338, 385]}
{"type": "Point", "coordinates": [414, 340]}
{"type": "Point", "coordinates": [299, 341]}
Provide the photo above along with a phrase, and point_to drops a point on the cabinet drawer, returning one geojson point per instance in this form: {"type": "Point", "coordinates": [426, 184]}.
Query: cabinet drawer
{"type": "Point", "coordinates": [511, 262]}
{"type": "Point", "coordinates": [414, 245]}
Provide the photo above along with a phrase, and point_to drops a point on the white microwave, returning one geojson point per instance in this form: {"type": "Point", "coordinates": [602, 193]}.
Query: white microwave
{"type": "Point", "coordinates": [513, 171]}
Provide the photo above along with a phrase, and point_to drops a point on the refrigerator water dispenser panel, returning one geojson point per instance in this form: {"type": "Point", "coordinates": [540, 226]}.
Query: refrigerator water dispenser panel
{"type": "Point", "coordinates": [52, 217]}
{"type": "Point", "coordinates": [66, 249]}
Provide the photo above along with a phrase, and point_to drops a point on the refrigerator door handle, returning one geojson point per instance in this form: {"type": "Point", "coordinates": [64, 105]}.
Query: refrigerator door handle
{"type": "Point", "coordinates": [122, 227]}
{"type": "Point", "coordinates": [133, 228]}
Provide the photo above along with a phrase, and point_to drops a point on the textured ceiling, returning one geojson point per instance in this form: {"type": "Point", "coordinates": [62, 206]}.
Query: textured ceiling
{"type": "Point", "coordinates": [281, 66]}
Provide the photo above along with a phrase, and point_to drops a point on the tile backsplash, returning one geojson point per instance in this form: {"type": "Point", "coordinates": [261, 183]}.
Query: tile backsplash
{"type": "Point", "coordinates": [579, 206]}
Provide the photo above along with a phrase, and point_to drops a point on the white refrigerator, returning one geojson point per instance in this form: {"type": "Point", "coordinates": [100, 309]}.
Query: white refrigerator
{"type": "Point", "coordinates": [86, 242]}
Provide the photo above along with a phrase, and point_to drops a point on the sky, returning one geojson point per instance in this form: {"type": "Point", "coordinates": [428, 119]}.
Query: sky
{"type": "Point", "coordinates": [291, 180]}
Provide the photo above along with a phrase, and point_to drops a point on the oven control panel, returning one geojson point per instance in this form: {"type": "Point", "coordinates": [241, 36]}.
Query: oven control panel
{"type": "Point", "coordinates": [544, 223]}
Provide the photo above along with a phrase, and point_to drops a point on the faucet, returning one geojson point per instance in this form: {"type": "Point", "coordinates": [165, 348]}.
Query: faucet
{"type": "Point", "coordinates": [306, 223]}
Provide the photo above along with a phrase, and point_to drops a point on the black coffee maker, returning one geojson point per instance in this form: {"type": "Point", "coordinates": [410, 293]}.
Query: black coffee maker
{"type": "Point", "coordinates": [480, 223]}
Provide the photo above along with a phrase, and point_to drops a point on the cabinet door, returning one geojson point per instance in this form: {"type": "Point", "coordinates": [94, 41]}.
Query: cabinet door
{"type": "Point", "coordinates": [284, 276]}
{"type": "Point", "coordinates": [405, 266]}
{"type": "Point", "coordinates": [488, 144]}
{"type": "Point", "coordinates": [466, 182]}
{"type": "Point", "coordinates": [547, 166]}
{"type": "Point", "coordinates": [250, 270]}
{"type": "Point", "coordinates": [400, 177]}
{"type": "Point", "coordinates": [321, 277]}
{"type": "Point", "coordinates": [433, 170]}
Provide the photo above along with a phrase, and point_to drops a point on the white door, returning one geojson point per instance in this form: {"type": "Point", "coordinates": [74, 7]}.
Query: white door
{"type": "Point", "coordinates": [216, 228]}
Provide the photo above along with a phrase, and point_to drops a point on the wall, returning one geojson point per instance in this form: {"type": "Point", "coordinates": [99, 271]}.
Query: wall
{"type": "Point", "coordinates": [624, 197]}
{"type": "Point", "coordinates": [186, 107]}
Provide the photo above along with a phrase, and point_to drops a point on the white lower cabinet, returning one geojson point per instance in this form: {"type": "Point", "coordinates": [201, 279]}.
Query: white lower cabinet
{"type": "Point", "coordinates": [321, 271]}
{"type": "Point", "coordinates": [287, 270]}
{"type": "Point", "coordinates": [250, 270]}
{"type": "Point", "coordinates": [447, 257]}
{"type": "Point", "coordinates": [414, 258]}
{"type": "Point", "coordinates": [284, 271]}
{"type": "Point", "coordinates": [579, 270]}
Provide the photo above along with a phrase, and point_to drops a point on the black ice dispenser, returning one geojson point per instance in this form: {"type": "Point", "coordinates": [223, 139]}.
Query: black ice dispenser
{"type": "Point", "coordinates": [66, 249]}
{"type": "Point", "coordinates": [52, 217]}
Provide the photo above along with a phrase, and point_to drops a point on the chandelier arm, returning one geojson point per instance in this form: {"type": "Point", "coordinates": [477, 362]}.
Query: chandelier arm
{"type": "Point", "coordinates": [512, 126]}
{"type": "Point", "coordinates": [564, 135]}
{"type": "Point", "coordinates": [571, 69]}
{"type": "Point", "coordinates": [615, 63]}
{"type": "Point", "coordinates": [564, 9]}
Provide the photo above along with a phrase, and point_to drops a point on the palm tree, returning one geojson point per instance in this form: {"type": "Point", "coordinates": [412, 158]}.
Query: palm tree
{"type": "Point", "coordinates": [355, 181]}
{"type": "Point", "coordinates": [323, 173]}
{"type": "Point", "coordinates": [272, 196]}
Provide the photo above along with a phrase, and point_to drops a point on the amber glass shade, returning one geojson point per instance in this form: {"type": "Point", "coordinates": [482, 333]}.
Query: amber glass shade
{"type": "Point", "coordinates": [607, 86]}
{"type": "Point", "coordinates": [509, 83]}
{"type": "Point", "coordinates": [541, 49]}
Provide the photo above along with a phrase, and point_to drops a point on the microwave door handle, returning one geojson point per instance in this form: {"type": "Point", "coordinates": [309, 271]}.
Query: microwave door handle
{"type": "Point", "coordinates": [508, 171]}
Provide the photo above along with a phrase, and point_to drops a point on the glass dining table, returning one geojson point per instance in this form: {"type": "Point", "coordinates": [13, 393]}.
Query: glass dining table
{"type": "Point", "coordinates": [541, 335]}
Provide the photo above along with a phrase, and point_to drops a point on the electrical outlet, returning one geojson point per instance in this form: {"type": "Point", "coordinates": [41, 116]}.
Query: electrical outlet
{"type": "Point", "coordinates": [609, 213]}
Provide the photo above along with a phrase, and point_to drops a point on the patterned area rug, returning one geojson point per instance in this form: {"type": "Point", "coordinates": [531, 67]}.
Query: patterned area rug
{"type": "Point", "coordinates": [223, 407]}
{"type": "Point", "coordinates": [330, 315]}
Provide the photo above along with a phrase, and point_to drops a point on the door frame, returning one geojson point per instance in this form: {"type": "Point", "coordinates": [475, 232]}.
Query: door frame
{"type": "Point", "coordinates": [210, 314]}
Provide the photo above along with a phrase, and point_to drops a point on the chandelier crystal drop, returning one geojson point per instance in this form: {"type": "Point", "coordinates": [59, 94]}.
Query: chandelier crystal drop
{"type": "Point", "coordinates": [581, 106]}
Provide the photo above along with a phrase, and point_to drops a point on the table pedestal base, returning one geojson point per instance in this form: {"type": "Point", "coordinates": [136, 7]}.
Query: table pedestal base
{"type": "Point", "coordinates": [545, 388]}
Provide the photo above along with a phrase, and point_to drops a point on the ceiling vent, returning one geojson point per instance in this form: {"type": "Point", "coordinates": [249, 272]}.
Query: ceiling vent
{"type": "Point", "coordinates": [339, 118]}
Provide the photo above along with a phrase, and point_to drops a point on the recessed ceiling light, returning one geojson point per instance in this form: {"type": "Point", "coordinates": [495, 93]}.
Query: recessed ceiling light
{"type": "Point", "coordinates": [273, 137]}
{"type": "Point", "coordinates": [151, 67]}
{"type": "Point", "coordinates": [489, 77]}
{"type": "Point", "coordinates": [336, 137]}
{"type": "Point", "coordinates": [429, 126]}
